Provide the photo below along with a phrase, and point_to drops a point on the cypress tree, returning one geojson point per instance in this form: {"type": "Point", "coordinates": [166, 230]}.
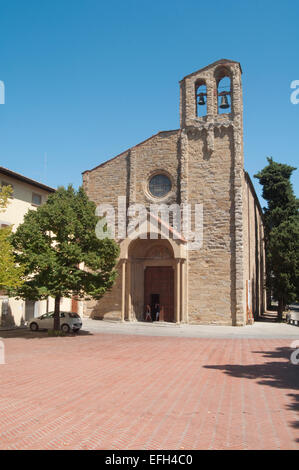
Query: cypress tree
{"type": "Point", "coordinates": [281, 232]}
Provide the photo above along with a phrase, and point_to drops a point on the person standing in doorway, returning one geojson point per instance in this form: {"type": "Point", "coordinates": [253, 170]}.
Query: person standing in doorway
{"type": "Point", "coordinates": [157, 310]}
{"type": "Point", "coordinates": [148, 316]}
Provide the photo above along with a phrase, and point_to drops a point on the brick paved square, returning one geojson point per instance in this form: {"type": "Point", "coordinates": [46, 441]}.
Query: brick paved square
{"type": "Point", "coordinates": [106, 391]}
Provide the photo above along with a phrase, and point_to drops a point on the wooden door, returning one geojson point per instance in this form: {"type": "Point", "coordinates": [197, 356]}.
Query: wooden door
{"type": "Point", "coordinates": [74, 307]}
{"type": "Point", "coordinates": [159, 281]}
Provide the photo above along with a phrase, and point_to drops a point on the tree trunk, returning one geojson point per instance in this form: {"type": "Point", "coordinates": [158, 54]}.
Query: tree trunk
{"type": "Point", "coordinates": [280, 309]}
{"type": "Point", "coordinates": [57, 313]}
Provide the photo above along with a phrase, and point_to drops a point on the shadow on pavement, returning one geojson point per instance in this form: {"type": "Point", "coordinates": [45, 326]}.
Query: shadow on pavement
{"type": "Point", "coordinates": [278, 374]}
{"type": "Point", "coordinates": [26, 333]}
{"type": "Point", "coordinates": [294, 407]}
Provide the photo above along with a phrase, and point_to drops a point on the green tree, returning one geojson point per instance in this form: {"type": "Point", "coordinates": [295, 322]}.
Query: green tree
{"type": "Point", "coordinates": [54, 241]}
{"type": "Point", "coordinates": [281, 232]}
{"type": "Point", "coordinates": [10, 273]}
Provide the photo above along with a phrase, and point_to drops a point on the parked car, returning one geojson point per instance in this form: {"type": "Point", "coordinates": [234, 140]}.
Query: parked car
{"type": "Point", "coordinates": [68, 321]}
{"type": "Point", "coordinates": [293, 318]}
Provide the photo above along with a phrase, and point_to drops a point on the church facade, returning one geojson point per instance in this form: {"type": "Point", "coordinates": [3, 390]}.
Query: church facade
{"type": "Point", "coordinates": [198, 167]}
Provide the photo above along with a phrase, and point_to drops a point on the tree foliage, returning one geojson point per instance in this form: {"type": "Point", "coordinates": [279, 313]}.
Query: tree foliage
{"type": "Point", "coordinates": [281, 231]}
{"type": "Point", "coordinates": [5, 193]}
{"type": "Point", "coordinates": [54, 241]}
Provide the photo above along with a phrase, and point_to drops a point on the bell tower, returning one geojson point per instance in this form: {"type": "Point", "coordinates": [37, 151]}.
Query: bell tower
{"type": "Point", "coordinates": [211, 173]}
{"type": "Point", "coordinates": [216, 89]}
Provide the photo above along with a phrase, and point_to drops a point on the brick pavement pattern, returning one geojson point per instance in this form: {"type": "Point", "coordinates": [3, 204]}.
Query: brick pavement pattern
{"type": "Point", "coordinates": [108, 391]}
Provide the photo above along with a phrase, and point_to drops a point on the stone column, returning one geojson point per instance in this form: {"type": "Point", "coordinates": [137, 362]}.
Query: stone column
{"type": "Point", "coordinates": [178, 291]}
{"type": "Point", "coordinates": [183, 291]}
{"type": "Point", "coordinates": [129, 291]}
{"type": "Point", "coordinates": [123, 290]}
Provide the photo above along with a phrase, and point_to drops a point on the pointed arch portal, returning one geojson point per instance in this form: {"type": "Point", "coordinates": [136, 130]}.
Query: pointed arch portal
{"type": "Point", "coordinates": [153, 274]}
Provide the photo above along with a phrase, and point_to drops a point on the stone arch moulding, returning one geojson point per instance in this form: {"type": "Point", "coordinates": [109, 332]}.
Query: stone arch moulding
{"type": "Point", "coordinates": [178, 243]}
{"type": "Point", "coordinates": [158, 252]}
{"type": "Point", "coordinates": [179, 248]}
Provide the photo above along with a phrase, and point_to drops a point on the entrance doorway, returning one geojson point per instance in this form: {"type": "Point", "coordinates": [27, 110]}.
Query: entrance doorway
{"type": "Point", "coordinates": [159, 289]}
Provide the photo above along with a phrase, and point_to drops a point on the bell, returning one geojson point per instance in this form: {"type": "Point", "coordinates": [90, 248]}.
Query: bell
{"type": "Point", "coordinates": [201, 100]}
{"type": "Point", "coordinates": [224, 102]}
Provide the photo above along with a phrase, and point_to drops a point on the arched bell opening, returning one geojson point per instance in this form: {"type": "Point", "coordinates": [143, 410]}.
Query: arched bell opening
{"type": "Point", "coordinates": [224, 91]}
{"type": "Point", "coordinates": [201, 99]}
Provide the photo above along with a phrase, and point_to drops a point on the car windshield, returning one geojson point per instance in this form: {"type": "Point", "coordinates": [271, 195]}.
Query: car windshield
{"type": "Point", "coordinates": [51, 315]}
{"type": "Point", "coordinates": [74, 315]}
{"type": "Point", "coordinates": [46, 315]}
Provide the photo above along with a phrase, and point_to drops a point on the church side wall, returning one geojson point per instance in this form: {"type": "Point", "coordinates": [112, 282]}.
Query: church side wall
{"type": "Point", "coordinates": [254, 252]}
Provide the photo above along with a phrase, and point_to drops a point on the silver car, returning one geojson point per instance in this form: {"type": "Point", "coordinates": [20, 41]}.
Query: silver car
{"type": "Point", "coordinates": [68, 321]}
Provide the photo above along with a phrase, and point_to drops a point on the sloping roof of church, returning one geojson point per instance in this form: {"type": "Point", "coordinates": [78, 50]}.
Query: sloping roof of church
{"type": "Point", "coordinates": [130, 148]}
{"type": "Point", "coordinates": [218, 62]}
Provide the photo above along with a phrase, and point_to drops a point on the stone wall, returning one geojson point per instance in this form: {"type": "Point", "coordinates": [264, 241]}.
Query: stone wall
{"type": "Point", "coordinates": [109, 306]}
{"type": "Point", "coordinates": [210, 182]}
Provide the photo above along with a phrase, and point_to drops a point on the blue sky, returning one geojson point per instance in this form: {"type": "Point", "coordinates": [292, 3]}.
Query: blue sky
{"type": "Point", "coordinates": [85, 80]}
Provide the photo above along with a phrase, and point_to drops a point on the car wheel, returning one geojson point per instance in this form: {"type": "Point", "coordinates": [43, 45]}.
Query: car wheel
{"type": "Point", "coordinates": [33, 326]}
{"type": "Point", "coordinates": [65, 328]}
